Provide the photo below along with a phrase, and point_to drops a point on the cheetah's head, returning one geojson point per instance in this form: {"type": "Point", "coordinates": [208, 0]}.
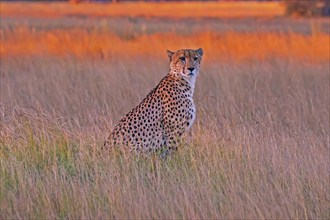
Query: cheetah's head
{"type": "Point", "coordinates": [185, 61]}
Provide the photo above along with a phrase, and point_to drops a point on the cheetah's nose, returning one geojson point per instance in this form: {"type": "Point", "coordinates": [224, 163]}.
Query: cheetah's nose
{"type": "Point", "coordinates": [191, 69]}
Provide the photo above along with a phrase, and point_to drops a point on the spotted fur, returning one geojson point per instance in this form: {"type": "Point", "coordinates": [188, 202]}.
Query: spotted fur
{"type": "Point", "coordinates": [167, 111]}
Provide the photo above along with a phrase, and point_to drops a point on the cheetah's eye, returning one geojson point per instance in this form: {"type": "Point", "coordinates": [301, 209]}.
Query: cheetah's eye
{"type": "Point", "coordinates": [182, 58]}
{"type": "Point", "coordinates": [195, 58]}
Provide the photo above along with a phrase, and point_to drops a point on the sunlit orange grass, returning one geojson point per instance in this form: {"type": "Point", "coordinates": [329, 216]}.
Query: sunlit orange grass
{"type": "Point", "coordinates": [172, 10]}
{"type": "Point", "coordinates": [105, 45]}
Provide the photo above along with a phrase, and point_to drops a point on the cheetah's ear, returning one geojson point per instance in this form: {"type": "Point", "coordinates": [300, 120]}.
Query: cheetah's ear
{"type": "Point", "coordinates": [170, 54]}
{"type": "Point", "coordinates": [200, 51]}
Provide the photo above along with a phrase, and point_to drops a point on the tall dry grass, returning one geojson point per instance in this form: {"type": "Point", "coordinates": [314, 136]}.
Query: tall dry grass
{"type": "Point", "coordinates": [259, 148]}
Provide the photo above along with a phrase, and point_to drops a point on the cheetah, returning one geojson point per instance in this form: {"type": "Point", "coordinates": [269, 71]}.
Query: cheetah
{"type": "Point", "coordinates": [166, 112]}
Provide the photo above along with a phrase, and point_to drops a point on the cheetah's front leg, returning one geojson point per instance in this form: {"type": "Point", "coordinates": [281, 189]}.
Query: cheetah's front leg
{"type": "Point", "coordinates": [170, 146]}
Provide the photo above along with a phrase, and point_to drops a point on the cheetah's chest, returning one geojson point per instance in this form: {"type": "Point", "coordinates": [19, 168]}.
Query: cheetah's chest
{"type": "Point", "coordinates": [192, 115]}
{"type": "Point", "coordinates": [180, 113]}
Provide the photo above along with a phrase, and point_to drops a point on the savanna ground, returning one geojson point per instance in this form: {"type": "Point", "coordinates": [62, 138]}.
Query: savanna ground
{"type": "Point", "coordinates": [259, 147]}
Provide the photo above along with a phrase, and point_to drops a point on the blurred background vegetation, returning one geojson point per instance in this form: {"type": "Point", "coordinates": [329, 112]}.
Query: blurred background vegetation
{"type": "Point", "coordinates": [306, 8]}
